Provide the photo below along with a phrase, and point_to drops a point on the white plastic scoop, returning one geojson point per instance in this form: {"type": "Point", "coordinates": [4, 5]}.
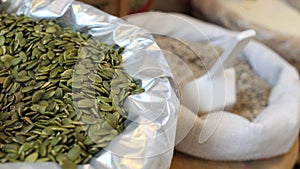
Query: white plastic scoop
{"type": "Point", "coordinates": [216, 90]}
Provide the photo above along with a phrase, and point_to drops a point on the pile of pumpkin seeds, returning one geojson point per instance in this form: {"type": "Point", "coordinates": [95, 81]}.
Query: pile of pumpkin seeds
{"type": "Point", "coordinates": [61, 93]}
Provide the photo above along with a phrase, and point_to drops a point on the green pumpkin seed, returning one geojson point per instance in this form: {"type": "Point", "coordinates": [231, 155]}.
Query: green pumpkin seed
{"type": "Point", "coordinates": [32, 157]}
{"type": "Point", "coordinates": [2, 80]}
{"type": "Point", "coordinates": [65, 162]}
{"type": "Point", "coordinates": [85, 103]}
{"type": "Point", "coordinates": [56, 140]}
{"type": "Point", "coordinates": [93, 150]}
{"type": "Point", "coordinates": [57, 86]}
{"type": "Point", "coordinates": [24, 147]}
{"type": "Point", "coordinates": [7, 82]}
{"type": "Point", "coordinates": [23, 79]}
{"type": "Point", "coordinates": [42, 110]}
{"type": "Point", "coordinates": [48, 131]}
{"type": "Point", "coordinates": [27, 89]}
{"type": "Point", "coordinates": [105, 107]}
{"type": "Point", "coordinates": [58, 93]}
{"type": "Point", "coordinates": [44, 68]}
{"type": "Point", "coordinates": [37, 95]}
{"type": "Point", "coordinates": [19, 139]}
{"type": "Point", "coordinates": [87, 119]}
{"type": "Point", "coordinates": [87, 159]}
{"type": "Point", "coordinates": [41, 78]}
{"type": "Point", "coordinates": [67, 73]}
{"type": "Point", "coordinates": [10, 122]}
{"type": "Point", "coordinates": [31, 138]}
{"type": "Point", "coordinates": [11, 148]}
{"type": "Point", "coordinates": [27, 128]}
{"type": "Point", "coordinates": [38, 28]}
{"type": "Point", "coordinates": [74, 153]}
{"type": "Point", "coordinates": [39, 85]}
{"type": "Point", "coordinates": [40, 160]}
{"type": "Point", "coordinates": [2, 40]}
{"type": "Point", "coordinates": [53, 73]}
{"type": "Point", "coordinates": [6, 58]}
{"type": "Point", "coordinates": [42, 150]}
{"type": "Point", "coordinates": [51, 30]}
{"type": "Point", "coordinates": [32, 64]}
{"type": "Point", "coordinates": [16, 61]}
{"type": "Point", "coordinates": [49, 94]}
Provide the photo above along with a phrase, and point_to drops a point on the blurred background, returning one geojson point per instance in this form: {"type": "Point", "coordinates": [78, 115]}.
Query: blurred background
{"type": "Point", "coordinates": [125, 7]}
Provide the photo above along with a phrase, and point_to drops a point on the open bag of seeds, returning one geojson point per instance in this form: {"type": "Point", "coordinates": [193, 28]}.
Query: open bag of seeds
{"type": "Point", "coordinates": [263, 123]}
{"type": "Point", "coordinates": [80, 88]}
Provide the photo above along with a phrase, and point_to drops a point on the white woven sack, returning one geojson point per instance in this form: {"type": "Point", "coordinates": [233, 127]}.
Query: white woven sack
{"type": "Point", "coordinates": [271, 133]}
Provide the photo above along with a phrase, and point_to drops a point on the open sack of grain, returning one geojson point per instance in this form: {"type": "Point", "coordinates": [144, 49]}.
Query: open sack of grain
{"type": "Point", "coordinates": [270, 130]}
{"type": "Point", "coordinates": [81, 89]}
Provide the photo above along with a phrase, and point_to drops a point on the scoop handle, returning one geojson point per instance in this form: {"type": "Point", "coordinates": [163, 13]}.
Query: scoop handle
{"type": "Point", "coordinates": [235, 47]}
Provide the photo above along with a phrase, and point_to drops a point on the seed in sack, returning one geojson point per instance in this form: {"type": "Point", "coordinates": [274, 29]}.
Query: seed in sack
{"type": "Point", "coordinates": [61, 93]}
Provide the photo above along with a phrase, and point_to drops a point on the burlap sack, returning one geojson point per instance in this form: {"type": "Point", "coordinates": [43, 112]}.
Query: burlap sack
{"type": "Point", "coordinates": [283, 42]}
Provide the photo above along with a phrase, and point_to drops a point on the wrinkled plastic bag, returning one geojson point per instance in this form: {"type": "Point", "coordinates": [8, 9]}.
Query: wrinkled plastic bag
{"type": "Point", "coordinates": [148, 139]}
